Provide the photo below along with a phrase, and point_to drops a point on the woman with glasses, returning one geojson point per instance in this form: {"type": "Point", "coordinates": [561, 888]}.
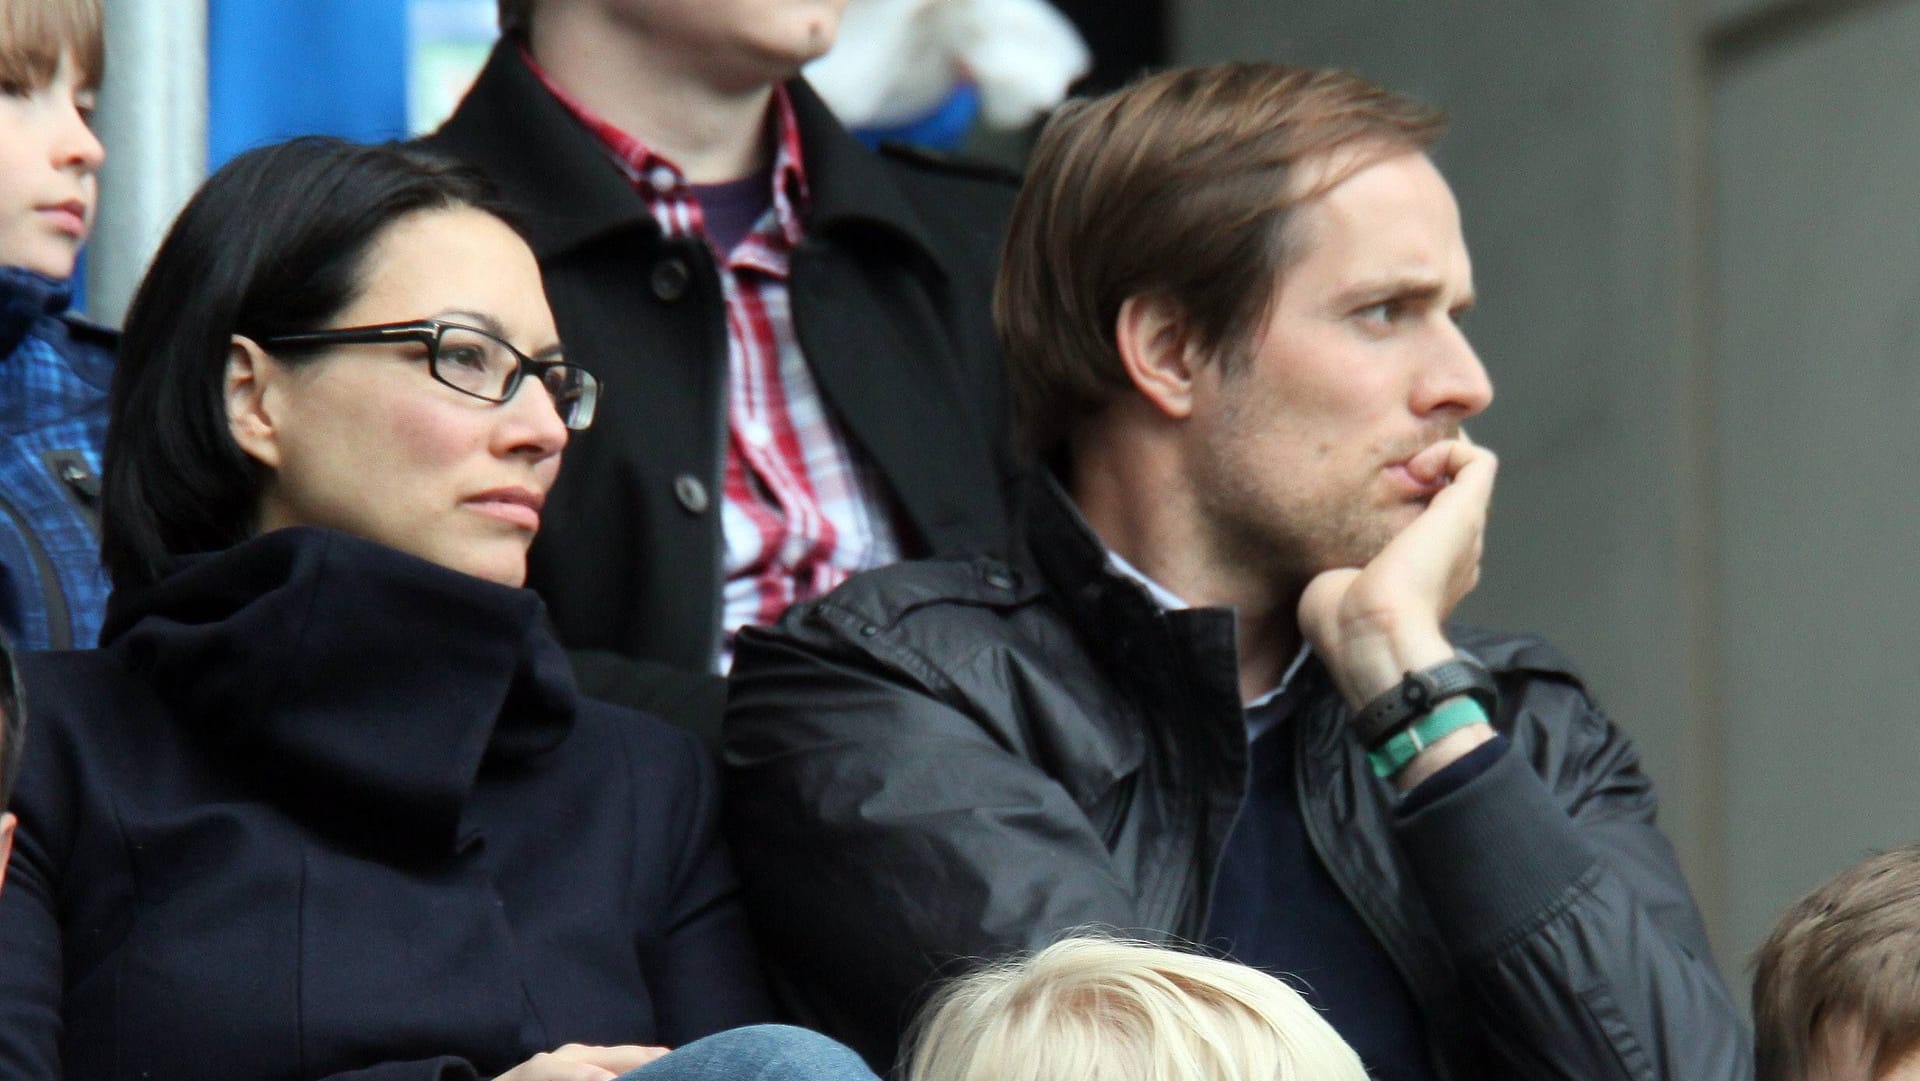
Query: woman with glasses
{"type": "Point", "coordinates": [325, 803]}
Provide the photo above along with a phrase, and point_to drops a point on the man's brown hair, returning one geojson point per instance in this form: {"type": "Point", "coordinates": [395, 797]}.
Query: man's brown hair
{"type": "Point", "coordinates": [516, 16]}
{"type": "Point", "coordinates": [1178, 186]}
{"type": "Point", "coordinates": [1847, 953]}
{"type": "Point", "coordinates": [33, 34]}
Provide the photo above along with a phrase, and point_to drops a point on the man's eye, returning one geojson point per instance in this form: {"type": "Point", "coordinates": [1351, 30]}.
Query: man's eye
{"type": "Point", "coordinates": [14, 88]}
{"type": "Point", "coordinates": [1381, 313]}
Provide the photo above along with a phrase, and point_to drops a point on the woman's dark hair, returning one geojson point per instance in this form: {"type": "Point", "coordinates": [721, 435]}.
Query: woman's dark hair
{"type": "Point", "coordinates": [271, 244]}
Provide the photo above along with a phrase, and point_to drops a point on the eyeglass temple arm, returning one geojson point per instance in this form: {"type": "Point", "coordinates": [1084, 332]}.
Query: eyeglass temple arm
{"type": "Point", "coordinates": [358, 335]}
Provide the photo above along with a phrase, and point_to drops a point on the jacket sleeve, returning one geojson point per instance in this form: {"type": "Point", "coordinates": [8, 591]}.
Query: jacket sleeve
{"type": "Point", "coordinates": [885, 837]}
{"type": "Point", "coordinates": [1566, 913]}
{"type": "Point", "coordinates": [700, 963]}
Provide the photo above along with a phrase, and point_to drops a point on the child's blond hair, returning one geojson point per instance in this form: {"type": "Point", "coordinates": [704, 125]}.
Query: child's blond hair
{"type": "Point", "coordinates": [1125, 1011]}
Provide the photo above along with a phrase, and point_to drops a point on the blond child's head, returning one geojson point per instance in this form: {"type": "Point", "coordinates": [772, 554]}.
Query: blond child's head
{"type": "Point", "coordinates": [1125, 1011]}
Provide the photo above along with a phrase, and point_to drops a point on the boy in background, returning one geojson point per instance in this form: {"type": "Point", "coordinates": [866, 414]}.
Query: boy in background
{"type": "Point", "coordinates": [54, 369]}
{"type": "Point", "coordinates": [1836, 988]}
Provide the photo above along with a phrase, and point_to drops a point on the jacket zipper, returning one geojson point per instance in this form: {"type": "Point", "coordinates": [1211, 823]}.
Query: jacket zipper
{"type": "Point", "coordinates": [59, 619]}
{"type": "Point", "coordinates": [1322, 846]}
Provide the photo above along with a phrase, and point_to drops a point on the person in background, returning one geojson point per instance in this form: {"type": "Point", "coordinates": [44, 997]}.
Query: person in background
{"type": "Point", "coordinates": [799, 327]}
{"type": "Point", "coordinates": [1089, 1007]}
{"type": "Point", "coordinates": [1218, 698]}
{"type": "Point", "coordinates": [54, 368]}
{"type": "Point", "coordinates": [1836, 987]}
{"type": "Point", "coordinates": [325, 802]}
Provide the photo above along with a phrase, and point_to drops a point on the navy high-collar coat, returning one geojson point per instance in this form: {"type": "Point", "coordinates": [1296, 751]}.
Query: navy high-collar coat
{"type": "Point", "coordinates": [318, 809]}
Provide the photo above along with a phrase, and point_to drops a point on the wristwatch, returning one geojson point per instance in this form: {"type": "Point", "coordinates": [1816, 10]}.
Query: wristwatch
{"type": "Point", "coordinates": [1418, 692]}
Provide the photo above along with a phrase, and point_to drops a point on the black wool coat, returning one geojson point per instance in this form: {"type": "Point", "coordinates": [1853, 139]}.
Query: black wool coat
{"type": "Point", "coordinates": [317, 809]}
{"type": "Point", "coordinates": [891, 297]}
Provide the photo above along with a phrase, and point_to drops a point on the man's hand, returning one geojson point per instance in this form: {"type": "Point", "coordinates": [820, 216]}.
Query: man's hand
{"type": "Point", "coordinates": [1373, 625]}
{"type": "Point", "coordinates": [582, 1062]}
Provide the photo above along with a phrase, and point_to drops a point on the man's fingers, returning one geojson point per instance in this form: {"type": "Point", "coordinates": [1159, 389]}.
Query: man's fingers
{"type": "Point", "coordinates": [1449, 458]}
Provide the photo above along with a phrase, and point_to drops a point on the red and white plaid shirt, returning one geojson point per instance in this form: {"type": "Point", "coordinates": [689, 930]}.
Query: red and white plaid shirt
{"type": "Point", "coordinates": [801, 509]}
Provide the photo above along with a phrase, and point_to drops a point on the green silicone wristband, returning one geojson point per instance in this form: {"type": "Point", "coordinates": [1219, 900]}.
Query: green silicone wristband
{"type": "Point", "coordinates": [1403, 746]}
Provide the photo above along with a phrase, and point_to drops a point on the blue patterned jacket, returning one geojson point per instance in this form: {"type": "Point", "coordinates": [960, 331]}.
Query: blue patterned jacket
{"type": "Point", "coordinates": [54, 373]}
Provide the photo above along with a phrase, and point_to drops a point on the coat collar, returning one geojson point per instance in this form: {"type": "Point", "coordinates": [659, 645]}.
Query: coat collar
{"type": "Point", "coordinates": [570, 193]}
{"type": "Point", "coordinates": [25, 299]}
{"type": "Point", "coordinates": [1189, 650]}
{"type": "Point", "coordinates": [359, 687]}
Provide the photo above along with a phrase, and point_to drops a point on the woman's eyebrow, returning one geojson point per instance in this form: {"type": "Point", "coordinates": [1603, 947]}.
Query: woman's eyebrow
{"type": "Point", "coordinates": [478, 320]}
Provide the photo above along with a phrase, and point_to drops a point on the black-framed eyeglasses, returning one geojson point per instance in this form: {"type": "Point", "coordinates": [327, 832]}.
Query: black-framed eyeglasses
{"type": "Point", "coordinates": [472, 361]}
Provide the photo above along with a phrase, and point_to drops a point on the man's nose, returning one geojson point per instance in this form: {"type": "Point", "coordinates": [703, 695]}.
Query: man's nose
{"type": "Point", "coordinates": [1454, 380]}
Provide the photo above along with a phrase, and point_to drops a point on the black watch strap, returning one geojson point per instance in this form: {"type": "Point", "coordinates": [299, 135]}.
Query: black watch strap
{"type": "Point", "coordinates": [1418, 692]}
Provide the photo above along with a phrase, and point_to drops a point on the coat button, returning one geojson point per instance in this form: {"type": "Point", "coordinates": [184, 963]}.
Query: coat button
{"type": "Point", "coordinates": [670, 278]}
{"type": "Point", "coordinates": [691, 493]}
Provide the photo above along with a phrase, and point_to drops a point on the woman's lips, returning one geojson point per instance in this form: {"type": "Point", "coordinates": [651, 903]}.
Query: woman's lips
{"type": "Point", "coordinates": [515, 506]}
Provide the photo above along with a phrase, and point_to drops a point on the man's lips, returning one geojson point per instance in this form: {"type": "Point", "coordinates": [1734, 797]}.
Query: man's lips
{"type": "Point", "coordinates": [515, 506]}
{"type": "Point", "coordinates": [1410, 484]}
{"type": "Point", "coordinates": [1417, 473]}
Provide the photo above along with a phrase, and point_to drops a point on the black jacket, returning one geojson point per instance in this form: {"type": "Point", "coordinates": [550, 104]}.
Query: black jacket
{"type": "Point", "coordinates": [953, 759]}
{"type": "Point", "coordinates": [890, 294]}
{"type": "Point", "coordinates": [318, 809]}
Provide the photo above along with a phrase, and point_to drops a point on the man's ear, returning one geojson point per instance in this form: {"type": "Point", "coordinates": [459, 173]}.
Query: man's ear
{"type": "Point", "coordinates": [249, 373]}
{"type": "Point", "coordinates": [1156, 348]}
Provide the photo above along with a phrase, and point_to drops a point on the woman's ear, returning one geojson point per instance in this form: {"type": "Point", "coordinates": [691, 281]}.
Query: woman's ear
{"type": "Point", "coordinates": [250, 373]}
{"type": "Point", "coordinates": [1152, 336]}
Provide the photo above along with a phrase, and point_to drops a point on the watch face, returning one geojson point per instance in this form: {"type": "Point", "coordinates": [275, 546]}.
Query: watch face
{"type": "Point", "coordinates": [1418, 693]}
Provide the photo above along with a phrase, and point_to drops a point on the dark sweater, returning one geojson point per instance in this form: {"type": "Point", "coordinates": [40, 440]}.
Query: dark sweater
{"type": "Point", "coordinates": [320, 809]}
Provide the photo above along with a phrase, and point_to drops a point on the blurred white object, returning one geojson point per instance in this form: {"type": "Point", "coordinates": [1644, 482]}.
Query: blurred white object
{"type": "Point", "coordinates": [897, 60]}
{"type": "Point", "coordinates": [447, 45]}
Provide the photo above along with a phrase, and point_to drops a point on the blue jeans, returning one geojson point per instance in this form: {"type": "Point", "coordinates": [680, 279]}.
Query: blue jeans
{"type": "Point", "coordinates": [758, 1053]}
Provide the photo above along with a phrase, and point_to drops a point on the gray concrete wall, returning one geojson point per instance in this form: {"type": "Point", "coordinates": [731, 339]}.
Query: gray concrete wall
{"type": "Point", "coordinates": [153, 121]}
{"type": "Point", "coordinates": [1816, 339]}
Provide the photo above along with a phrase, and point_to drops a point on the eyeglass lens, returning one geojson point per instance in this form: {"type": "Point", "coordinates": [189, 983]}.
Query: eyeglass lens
{"type": "Point", "coordinates": [487, 367]}
{"type": "Point", "coordinates": [574, 394]}
{"type": "Point", "coordinates": [477, 363]}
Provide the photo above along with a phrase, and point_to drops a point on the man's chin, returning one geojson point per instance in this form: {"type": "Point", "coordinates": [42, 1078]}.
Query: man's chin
{"type": "Point", "coordinates": [784, 52]}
